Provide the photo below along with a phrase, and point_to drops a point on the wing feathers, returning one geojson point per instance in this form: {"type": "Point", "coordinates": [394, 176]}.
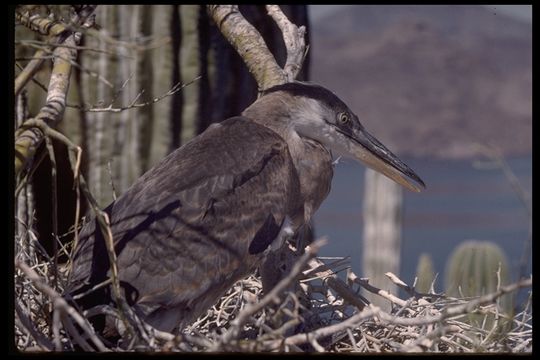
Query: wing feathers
{"type": "Point", "coordinates": [198, 221]}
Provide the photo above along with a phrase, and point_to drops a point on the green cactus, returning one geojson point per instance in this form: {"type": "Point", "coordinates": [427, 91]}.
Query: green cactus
{"type": "Point", "coordinates": [160, 139]}
{"type": "Point", "coordinates": [424, 273]}
{"type": "Point", "coordinates": [190, 68]}
{"type": "Point", "coordinates": [472, 271]}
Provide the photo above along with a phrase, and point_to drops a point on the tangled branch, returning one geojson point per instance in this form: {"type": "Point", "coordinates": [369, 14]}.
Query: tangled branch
{"type": "Point", "coordinates": [245, 320]}
{"type": "Point", "coordinates": [53, 110]}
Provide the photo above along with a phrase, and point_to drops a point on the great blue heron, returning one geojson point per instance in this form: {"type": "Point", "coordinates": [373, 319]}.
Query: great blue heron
{"type": "Point", "coordinates": [209, 212]}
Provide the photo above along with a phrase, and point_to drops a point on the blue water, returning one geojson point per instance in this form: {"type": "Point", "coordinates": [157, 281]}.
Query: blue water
{"type": "Point", "coordinates": [460, 203]}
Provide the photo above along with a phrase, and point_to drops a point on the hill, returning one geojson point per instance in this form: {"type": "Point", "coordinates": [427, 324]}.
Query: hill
{"type": "Point", "coordinates": [430, 80]}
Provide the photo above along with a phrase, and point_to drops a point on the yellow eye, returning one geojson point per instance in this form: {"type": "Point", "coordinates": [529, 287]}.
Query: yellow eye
{"type": "Point", "coordinates": [343, 118]}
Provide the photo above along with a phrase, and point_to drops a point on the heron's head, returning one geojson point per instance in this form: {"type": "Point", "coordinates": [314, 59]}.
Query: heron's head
{"type": "Point", "coordinates": [317, 113]}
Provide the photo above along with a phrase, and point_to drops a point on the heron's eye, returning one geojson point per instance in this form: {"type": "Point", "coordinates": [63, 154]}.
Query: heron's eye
{"type": "Point", "coordinates": [343, 118]}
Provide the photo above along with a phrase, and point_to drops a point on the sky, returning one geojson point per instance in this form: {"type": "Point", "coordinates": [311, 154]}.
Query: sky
{"type": "Point", "coordinates": [521, 12]}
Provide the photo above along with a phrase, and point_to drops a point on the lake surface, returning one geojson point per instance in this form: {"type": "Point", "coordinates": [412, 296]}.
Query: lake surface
{"type": "Point", "coordinates": [460, 203]}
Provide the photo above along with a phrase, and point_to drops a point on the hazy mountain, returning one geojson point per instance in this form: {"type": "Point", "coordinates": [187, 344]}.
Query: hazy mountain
{"type": "Point", "coordinates": [430, 80]}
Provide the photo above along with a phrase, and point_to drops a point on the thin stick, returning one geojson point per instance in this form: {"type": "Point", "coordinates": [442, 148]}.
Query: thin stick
{"type": "Point", "coordinates": [25, 321]}
{"type": "Point", "coordinates": [251, 309]}
{"type": "Point", "coordinates": [56, 329]}
{"type": "Point", "coordinates": [59, 302]}
{"type": "Point", "coordinates": [94, 288]}
{"type": "Point", "coordinates": [29, 71]}
{"type": "Point", "coordinates": [54, 208]}
{"type": "Point", "coordinates": [339, 286]}
{"type": "Point", "coordinates": [134, 103]}
{"type": "Point", "coordinates": [111, 180]}
{"type": "Point", "coordinates": [383, 293]}
{"type": "Point", "coordinates": [386, 318]}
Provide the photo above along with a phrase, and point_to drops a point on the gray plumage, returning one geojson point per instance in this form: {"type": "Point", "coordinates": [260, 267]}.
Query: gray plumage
{"type": "Point", "coordinates": [207, 214]}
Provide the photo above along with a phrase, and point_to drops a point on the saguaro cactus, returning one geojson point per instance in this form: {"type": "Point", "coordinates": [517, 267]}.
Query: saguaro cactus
{"type": "Point", "coordinates": [473, 268]}
{"type": "Point", "coordinates": [472, 271]}
{"type": "Point", "coordinates": [424, 273]}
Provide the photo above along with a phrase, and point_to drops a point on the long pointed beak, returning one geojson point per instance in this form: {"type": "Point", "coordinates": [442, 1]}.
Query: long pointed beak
{"type": "Point", "coordinates": [375, 155]}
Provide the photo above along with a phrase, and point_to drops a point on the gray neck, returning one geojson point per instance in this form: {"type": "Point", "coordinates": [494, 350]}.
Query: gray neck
{"type": "Point", "coordinates": [311, 159]}
{"type": "Point", "coordinates": [278, 120]}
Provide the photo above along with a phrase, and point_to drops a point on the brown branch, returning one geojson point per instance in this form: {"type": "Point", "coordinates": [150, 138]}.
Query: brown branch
{"type": "Point", "coordinates": [52, 27]}
{"type": "Point", "coordinates": [40, 44]}
{"type": "Point", "coordinates": [73, 63]}
{"type": "Point", "coordinates": [382, 293]}
{"type": "Point", "coordinates": [331, 280]}
{"type": "Point", "coordinates": [325, 331]}
{"type": "Point", "coordinates": [78, 339]}
{"type": "Point", "coordinates": [410, 289]}
{"type": "Point", "coordinates": [130, 320]}
{"type": "Point", "coordinates": [457, 310]}
{"type": "Point", "coordinates": [59, 303]}
{"type": "Point", "coordinates": [37, 23]}
{"type": "Point", "coordinates": [132, 324]}
{"type": "Point", "coordinates": [27, 323]}
{"type": "Point", "coordinates": [486, 299]}
{"type": "Point", "coordinates": [35, 81]}
{"type": "Point", "coordinates": [249, 44]}
{"type": "Point", "coordinates": [102, 218]}
{"type": "Point", "coordinates": [385, 318]}
{"type": "Point", "coordinates": [54, 208]}
{"type": "Point", "coordinates": [294, 38]}
{"type": "Point", "coordinates": [243, 317]}
{"type": "Point", "coordinates": [134, 103]}
{"type": "Point", "coordinates": [27, 143]}
{"type": "Point", "coordinates": [29, 71]}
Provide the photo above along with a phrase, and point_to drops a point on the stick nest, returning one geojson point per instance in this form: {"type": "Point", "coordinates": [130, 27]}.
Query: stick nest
{"type": "Point", "coordinates": [316, 312]}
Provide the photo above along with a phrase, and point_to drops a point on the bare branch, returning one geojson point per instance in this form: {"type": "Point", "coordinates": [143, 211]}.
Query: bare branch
{"type": "Point", "coordinates": [27, 143]}
{"type": "Point", "coordinates": [486, 299]}
{"type": "Point", "coordinates": [59, 303]}
{"type": "Point", "coordinates": [294, 38]}
{"type": "Point", "coordinates": [134, 103]}
{"type": "Point", "coordinates": [54, 207]}
{"type": "Point", "coordinates": [383, 293]}
{"type": "Point", "coordinates": [251, 309]}
{"type": "Point", "coordinates": [40, 44]}
{"type": "Point", "coordinates": [29, 71]}
{"type": "Point", "coordinates": [47, 49]}
{"type": "Point", "coordinates": [336, 284]}
{"type": "Point", "coordinates": [43, 26]}
{"type": "Point", "coordinates": [373, 311]}
{"type": "Point", "coordinates": [25, 321]}
{"type": "Point", "coordinates": [249, 44]}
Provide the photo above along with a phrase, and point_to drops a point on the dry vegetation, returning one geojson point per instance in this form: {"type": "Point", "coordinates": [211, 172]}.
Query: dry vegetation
{"type": "Point", "coordinates": [325, 313]}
